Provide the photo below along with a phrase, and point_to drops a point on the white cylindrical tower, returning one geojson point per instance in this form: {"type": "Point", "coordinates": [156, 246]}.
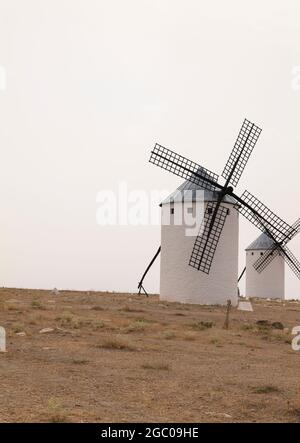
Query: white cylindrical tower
{"type": "Point", "coordinates": [180, 282]}
{"type": "Point", "coordinates": [270, 282]}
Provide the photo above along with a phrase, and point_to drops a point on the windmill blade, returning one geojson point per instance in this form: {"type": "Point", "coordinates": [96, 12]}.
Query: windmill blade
{"type": "Point", "coordinates": [264, 260]}
{"type": "Point", "coordinates": [294, 231]}
{"type": "Point", "coordinates": [263, 218]}
{"type": "Point", "coordinates": [207, 241]}
{"type": "Point", "coordinates": [243, 147]}
{"type": "Point", "coordinates": [292, 261]}
{"type": "Point", "coordinates": [181, 166]}
{"type": "Point", "coordinates": [269, 255]}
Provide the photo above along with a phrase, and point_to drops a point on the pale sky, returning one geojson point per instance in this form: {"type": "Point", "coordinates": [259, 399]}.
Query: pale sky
{"type": "Point", "coordinates": [91, 85]}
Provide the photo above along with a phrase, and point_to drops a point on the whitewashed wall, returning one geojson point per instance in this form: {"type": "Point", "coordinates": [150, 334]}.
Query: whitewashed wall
{"type": "Point", "coordinates": [269, 283]}
{"type": "Point", "coordinates": [180, 282]}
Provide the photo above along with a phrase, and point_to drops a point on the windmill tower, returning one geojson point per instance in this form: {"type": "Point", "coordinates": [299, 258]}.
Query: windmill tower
{"type": "Point", "coordinates": [178, 281]}
{"type": "Point", "coordinates": [267, 284]}
{"type": "Point", "coordinates": [265, 259]}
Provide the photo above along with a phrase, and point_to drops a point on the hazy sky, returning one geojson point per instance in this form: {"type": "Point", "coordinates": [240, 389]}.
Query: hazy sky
{"type": "Point", "coordinates": [91, 85]}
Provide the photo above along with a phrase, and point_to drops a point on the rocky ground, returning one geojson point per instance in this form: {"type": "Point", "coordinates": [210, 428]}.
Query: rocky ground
{"type": "Point", "coordinates": [79, 357]}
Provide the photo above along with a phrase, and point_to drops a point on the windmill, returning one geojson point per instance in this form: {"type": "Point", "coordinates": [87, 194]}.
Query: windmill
{"type": "Point", "coordinates": [206, 243]}
{"type": "Point", "coordinates": [265, 266]}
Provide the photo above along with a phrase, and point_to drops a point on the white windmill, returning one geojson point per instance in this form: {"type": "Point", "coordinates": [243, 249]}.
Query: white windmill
{"type": "Point", "coordinates": [215, 248]}
{"type": "Point", "coordinates": [265, 266]}
{"type": "Point", "coordinates": [178, 281]}
{"type": "Point", "coordinates": [267, 284]}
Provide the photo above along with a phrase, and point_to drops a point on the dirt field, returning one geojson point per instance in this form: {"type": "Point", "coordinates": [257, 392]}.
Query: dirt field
{"type": "Point", "coordinates": [122, 357]}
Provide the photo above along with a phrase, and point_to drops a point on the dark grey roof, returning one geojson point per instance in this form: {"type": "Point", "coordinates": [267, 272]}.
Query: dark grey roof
{"type": "Point", "coordinates": [177, 195]}
{"type": "Point", "coordinates": [263, 242]}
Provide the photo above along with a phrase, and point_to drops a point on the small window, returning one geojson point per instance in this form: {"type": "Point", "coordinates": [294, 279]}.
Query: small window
{"type": "Point", "coordinates": [261, 253]}
{"type": "Point", "coordinates": [172, 210]}
{"type": "Point", "coordinates": [252, 253]}
{"type": "Point", "coordinates": [228, 211]}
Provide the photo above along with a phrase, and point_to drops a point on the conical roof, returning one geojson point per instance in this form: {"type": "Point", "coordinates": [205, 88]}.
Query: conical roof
{"type": "Point", "coordinates": [262, 243]}
{"type": "Point", "coordinates": [206, 195]}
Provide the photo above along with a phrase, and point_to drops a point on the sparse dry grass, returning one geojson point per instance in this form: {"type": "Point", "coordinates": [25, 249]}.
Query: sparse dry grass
{"type": "Point", "coordinates": [247, 327]}
{"type": "Point", "coordinates": [11, 307]}
{"type": "Point", "coordinates": [293, 409]}
{"type": "Point", "coordinates": [136, 326]}
{"type": "Point", "coordinates": [55, 412]}
{"type": "Point", "coordinates": [97, 308]}
{"type": "Point", "coordinates": [157, 366]}
{"type": "Point", "coordinates": [108, 362]}
{"type": "Point", "coordinates": [18, 327]}
{"type": "Point", "coordinates": [80, 361]}
{"type": "Point", "coordinates": [71, 321]}
{"type": "Point", "coordinates": [117, 343]}
{"type": "Point", "coordinates": [168, 334]}
{"type": "Point", "coordinates": [266, 389]}
{"type": "Point", "coordinates": [202, 325]}
{"type": "Point", "coordinates": [37, 304]}
{"type": "Point", "coordinates": [127, 308]}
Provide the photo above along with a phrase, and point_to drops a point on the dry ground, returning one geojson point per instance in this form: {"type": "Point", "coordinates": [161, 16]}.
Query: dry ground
{"type": "Point", "coordinates": [122, 357]}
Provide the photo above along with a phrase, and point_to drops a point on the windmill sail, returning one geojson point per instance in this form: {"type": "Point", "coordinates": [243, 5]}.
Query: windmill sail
{"type": "Point", "coordinates": [181, 166]}
{"type": "Point", "coordinates": [292, 261]}
{"type": "Point", "coordinates": [207, 241]}
{"type": "Point", "coordinates": [263, 218]}
{"type": "Point", "coordinates": [269, 255]}
{"type": "Point", "coordinates": [244, 145]}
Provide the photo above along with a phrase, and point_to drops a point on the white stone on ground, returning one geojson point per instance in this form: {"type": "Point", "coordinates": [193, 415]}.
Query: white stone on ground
{"type": "Point", "coordinates": [245, 306]}
{"type": "Point", "coordinates": [2, 339]}
{"type": "Point", "coordinates": [46, 330]}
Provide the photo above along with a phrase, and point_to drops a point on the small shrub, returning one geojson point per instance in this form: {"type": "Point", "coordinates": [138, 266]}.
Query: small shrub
{"type": "Point", "coordinates": [136, 326]}
{"type": "Point", "coordinates": [80, 361]}
{"type": "Point", "coordinates": [263, 324]}
{"type": "Point", "coordinates": [12, 307]}
{"type": "Point", "coordinates": [168, 335]}
{"type": "Point", "coordinates": [97, 308]}
{"type": "Point", "coordinates": [65, 317]}
{"type": "Point", "coordinates": [294, 408]}
{"type": "Point", "coordinates": [98, 324]}
{"type": "Point", "coordinates": [278, 325]}
{"type": "Point", "coordinates": [116, 343]}
{"type": "Point", "coordinates": [267, 389]}
{"type": "Point", "coordinates": [202, 325]}
{"type": "Point", "coordinates": [56, 414]}
{"type": "Point", "coordinates": [144, 320]}
{"type": "Point", "coordinates": [156, 366]}
{"type": "Point", "coordinates": [36, 304]}
{"type": "Point", "coordinates": [18, 327]}
{"type": "Point", "coordinates": [69, 320]}
{"type": "Point", "coordinates": [247, 327]}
